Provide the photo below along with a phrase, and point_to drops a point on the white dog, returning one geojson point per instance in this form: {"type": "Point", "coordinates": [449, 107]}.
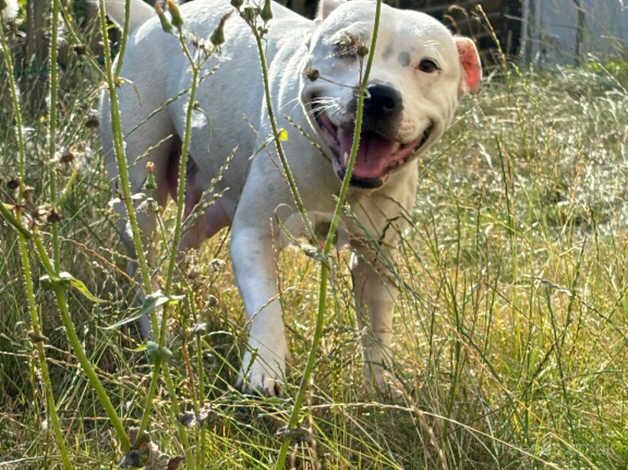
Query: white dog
{"type": "Point", "coordinates": [419, 72]}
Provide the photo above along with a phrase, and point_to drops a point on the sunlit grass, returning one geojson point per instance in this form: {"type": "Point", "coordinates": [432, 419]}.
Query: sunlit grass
{"type": "Point", "coordinates": [510, 328]}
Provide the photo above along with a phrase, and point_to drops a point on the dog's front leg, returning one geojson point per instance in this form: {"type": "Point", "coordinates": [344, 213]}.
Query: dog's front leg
{"type": "Point", "coordinates": [374, 299]}
{"type": "Point", "coordinates": [263, 365]}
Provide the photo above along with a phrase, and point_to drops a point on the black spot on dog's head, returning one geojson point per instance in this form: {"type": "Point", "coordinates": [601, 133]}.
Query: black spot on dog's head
{"type": "Point", "coordinates": [404, 58]}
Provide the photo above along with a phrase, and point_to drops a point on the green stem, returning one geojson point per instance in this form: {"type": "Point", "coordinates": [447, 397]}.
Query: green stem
{"type": "Point", "coordinates": [329, 243]}
{"type": "Point", "coordinates": [125, 36]}
{"type": "Point", "coordinates": [75, 342]}
{"type": "Point", "coordinates": [296, 196]}
{"type": "Point", "coordinates": [23, 235]}
{"type": "Point", "coordinates": [17, 109]}
{"type": "Point", "coordinates": [52, 124]}
{"type": "Point", "coordinates": [176, 239]}
{"type": "Point", "coordinates": [41, 353]}
{"type": "Point", "coordinates": [118, 147]}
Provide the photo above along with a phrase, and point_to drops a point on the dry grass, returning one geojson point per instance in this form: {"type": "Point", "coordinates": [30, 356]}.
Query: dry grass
{"type": "Point", "coordinates": [510, 338]}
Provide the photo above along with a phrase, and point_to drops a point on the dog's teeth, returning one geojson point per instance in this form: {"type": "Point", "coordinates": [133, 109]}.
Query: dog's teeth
{"type": "Point", "coordinates": [396, 147]}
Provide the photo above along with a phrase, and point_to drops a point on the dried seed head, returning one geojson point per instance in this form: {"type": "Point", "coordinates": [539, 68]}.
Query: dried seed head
{"type": "Point", "coordinates": [212, 301]}
{"type": "Point", "coordinates": [350, 45]}
{"type": "Point", "coordinates": [312, 74]}
{"type": "Point", "coordinates": [67, 157]}
{"type": "Point", "coordinates": [79, 49]}
{"type": "Point", "coordinates": [13, 184]}
{"type": "Point", "coordinates": [53, 216]}
{"type": "Point", "coordinates": [27, 193]}
{"type": "Point", "coordinates": [199, 328]}
{"type": "Point", "coordinates": [150, 166]}
{"type": "Point", "coordinates": [92, 122]}
{"type": "Point", "coordinates": [217, 264]}
{"type": "Point", "coordinates": [249, 14]}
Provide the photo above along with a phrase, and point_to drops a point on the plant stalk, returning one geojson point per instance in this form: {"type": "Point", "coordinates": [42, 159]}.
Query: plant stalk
{"type": "Point", "coordinates": [329, 243]}
{"type": "Point", "coordinates": [75, 342]}
{"type": "Point", "coordinates": [23, 235]}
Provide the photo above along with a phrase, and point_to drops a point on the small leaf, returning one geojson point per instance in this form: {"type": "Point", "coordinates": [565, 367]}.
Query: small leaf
{"type": "Point", "coordinates": [151, 303]}
{"type": "Point", "coordinates": [79, 286]}
{"type": "Point", "coordinates": [125, 321]}
{"type": "Point", "coordinates": [66, 280]}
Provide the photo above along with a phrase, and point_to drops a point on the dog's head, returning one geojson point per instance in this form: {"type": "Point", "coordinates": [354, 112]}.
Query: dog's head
{"type": "Point", "coordinates": [419, 71]}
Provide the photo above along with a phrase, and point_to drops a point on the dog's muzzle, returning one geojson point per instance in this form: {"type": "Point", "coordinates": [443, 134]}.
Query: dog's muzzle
{"type": "Point", "coordinates": [379, 152]}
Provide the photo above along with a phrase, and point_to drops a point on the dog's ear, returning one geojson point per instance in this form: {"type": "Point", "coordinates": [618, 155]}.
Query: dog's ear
{"type": "Point", "coordinates": [470, 64]}
{"type": "Point", "coordinates": [325, 7]}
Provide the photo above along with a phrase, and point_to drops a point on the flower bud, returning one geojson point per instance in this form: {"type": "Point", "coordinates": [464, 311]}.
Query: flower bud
{"type": "Point", "coordinates": [165, 24]}
{"type": "Point", "coordinates": [218, 36]}
{"type": "Point", "coordinates": [266, 14]}
{"type": "Point", "coordinates": [177, 19]}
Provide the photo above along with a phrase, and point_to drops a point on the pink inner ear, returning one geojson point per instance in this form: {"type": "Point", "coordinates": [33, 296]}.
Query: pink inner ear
{"type": "Point", "coordinates": [471, 65]}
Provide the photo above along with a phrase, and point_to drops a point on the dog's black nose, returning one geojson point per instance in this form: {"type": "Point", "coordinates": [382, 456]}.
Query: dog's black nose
{"type": "Point", "coordinates": [383, 101]}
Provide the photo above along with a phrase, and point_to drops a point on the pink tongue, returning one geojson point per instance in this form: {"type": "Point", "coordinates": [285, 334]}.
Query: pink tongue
{"type": "Point", "coordinates": [373, 154]}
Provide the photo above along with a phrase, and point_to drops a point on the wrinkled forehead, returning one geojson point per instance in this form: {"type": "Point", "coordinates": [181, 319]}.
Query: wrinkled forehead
{"type": "Point", "coordinates": [400, 31]}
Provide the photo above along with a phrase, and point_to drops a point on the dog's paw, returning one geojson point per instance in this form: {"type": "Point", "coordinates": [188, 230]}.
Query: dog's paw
{"type": "Point", "coordinates": [261, 375]}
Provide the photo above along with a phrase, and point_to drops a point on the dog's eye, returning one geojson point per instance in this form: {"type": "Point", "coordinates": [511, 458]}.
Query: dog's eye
{"type": "Point", "coordinates": [428, 66]}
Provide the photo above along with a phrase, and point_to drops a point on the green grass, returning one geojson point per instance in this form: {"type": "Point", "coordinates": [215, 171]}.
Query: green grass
{"type": "Point", "coordinates": [510, 330]}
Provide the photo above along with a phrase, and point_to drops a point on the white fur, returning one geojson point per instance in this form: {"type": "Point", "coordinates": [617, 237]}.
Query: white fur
{"type": "Point", "coordinates": [10, 9]}
{"type": "Point", "coordinates": [115, 9]}
{"type": "Point", "coordinates": [232, 115]}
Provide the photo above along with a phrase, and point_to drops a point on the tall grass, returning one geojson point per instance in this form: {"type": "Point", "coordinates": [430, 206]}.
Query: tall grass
{"type": "Point", "coordinates": [510, 328]}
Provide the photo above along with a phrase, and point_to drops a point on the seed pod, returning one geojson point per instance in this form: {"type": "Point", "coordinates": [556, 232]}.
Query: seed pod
{"type": "Point", "coordinates": [266, 14]}
{"type": "Point", "coordinates": [362, 50]}
{"type": "Point", "coordinates": [237, 4]}
{"type": "Point", "coordinates": [218, 36]}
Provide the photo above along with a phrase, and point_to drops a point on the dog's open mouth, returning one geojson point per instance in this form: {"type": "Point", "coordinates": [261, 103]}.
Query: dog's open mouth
{"type": "Point", "coordinates": [377, 155]}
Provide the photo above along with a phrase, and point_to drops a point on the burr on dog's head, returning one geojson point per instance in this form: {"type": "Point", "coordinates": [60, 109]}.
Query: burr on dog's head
{"type": "Point", "coordinates": [419, 71]}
